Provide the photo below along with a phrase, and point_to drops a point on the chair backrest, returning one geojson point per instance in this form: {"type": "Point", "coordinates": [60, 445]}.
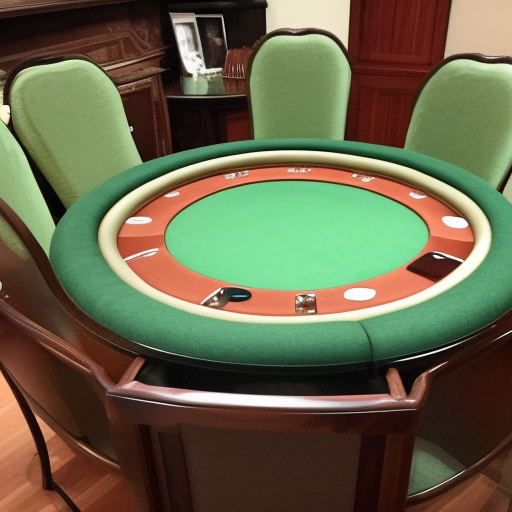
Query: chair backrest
{"type": "Point", "coordinates": [298, 85]}
{"type": "Point", "coordinates": [186, 450]}
{"type": "Point", "coordinates": [196, 451]}
{"type": "Point", "coordinates": [29, 285]}
{"type": "Point", "coordinates": [463, 115]}
{"type": "Point", "coordinates": [69, 116]}
{"type": "Point", "coordinates": [19, 189]}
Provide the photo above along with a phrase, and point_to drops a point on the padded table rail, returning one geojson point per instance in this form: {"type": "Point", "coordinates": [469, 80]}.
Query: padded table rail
{"type": "Point", "coordinates": [157, 329]}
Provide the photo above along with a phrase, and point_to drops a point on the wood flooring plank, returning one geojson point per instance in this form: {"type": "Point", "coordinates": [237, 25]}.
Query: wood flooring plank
{"type": "Point", "coordinates": [92, 488]}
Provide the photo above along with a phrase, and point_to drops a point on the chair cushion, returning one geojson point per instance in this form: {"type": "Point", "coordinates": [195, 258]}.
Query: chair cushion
{"type": "Point", "coordinates": [431, 466]}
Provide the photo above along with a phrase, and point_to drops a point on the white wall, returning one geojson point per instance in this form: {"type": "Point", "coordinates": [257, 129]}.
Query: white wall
{"type": "Point", "coordinates": [483, 26]}
{"type": "Point", "coordinates": [332, 15]}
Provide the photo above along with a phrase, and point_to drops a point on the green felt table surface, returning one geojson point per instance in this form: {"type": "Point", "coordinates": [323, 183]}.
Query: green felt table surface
{"type": "Point", "coordinates": [299, 235]}
{"type": "Point", "coordinates": [153, 328]}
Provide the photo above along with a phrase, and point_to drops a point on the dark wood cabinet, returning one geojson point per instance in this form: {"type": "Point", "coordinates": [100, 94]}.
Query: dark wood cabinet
{"type": "Point", "coordinates": [134, 42]}
{"type": "Point", "coordinates": [393, 44]}
{"type": "Point", "coordinates": [209, 118]}
{"type": "Point", "coordinates": [217, 111]}
{"type": "Point", "coordinates": [145, 105]}
{"type": "Point", "coordinates": [128, 39]}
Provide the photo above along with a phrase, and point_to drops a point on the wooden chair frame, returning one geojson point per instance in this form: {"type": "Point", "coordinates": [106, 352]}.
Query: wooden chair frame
{"type": "Point", "coordinates": [43, 299]}
{"type": "Point", "coordinates": [485, 355]}
{"type": "Point", "coordinates": [17, 327]}
{"type": "Point", "coordinates": [147, 421]}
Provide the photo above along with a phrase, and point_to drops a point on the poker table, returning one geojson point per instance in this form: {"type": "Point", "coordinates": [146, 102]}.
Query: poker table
{"type": "Point", "coordinates": [290, 255]}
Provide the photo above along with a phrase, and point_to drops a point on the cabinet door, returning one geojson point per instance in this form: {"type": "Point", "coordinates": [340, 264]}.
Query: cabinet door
{"type": "Point", "coordinates": [392, 46]}
{"type": "Point", "coordinates": [146, 109]}
{"type": "Point", "coordinates": [237, 126]}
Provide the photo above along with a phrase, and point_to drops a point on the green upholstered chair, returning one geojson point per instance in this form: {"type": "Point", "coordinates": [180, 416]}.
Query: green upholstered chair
{"type": "Point", "coordinates": [463, 115]}
{"type": "Point", "coordinates": [69, 116]}
{"type": "Point", "coordinates": [225, 451]}
{"type": "Point", "coordinates": [298, 85]}
{"type": "Point", "coordinates": [47, 345]}
{"type": "Point", "coordinates": [26, 229]}
{"type": "Point", "coordinates": [49, 351]}
{"type": "Point", "coordinates": [218, 452]}
{"type": "Point", "coordinates": [19, 189]}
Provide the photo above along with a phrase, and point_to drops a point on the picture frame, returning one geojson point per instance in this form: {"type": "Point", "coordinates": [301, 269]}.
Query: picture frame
{"type": "Point", "coordinates": [212, 33]}
{"type": "Point", "coordinates": [189, 43]}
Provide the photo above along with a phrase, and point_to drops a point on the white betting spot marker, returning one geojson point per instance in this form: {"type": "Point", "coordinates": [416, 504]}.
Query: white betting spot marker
{"type": "Point", "coordinates": [139, 220]}
{"type": "Point", "coordinates": [417, 195]}
{"type": "Point", "coordinates": [360, 294]}
{"type": "Point", "coordinates": [455, 222]}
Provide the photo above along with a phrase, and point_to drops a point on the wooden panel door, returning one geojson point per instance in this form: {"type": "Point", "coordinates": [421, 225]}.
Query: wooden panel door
{"type": "Point", "coordinates": [392, 46]}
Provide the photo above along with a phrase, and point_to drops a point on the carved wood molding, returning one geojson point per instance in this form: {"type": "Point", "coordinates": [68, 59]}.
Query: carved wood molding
{"type": "Point", "coordinates": [11, 8]}
{"type": "Point", "coordinates": [213, 6]}
{"type": "Point", "coordinates": [124, 47]}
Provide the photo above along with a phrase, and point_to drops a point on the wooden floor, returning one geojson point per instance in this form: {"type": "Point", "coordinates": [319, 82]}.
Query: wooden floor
{"type": "Point", "coordinates": [91, 489]}
{"type": "Point", "coordinates": [101, 491]}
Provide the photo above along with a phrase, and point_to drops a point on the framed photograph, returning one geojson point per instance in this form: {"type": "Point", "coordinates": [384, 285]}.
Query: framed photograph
{"type": "Point", "coordinates": [212, 33]}
{"type": "Point", "coordinates": [189, 43]}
